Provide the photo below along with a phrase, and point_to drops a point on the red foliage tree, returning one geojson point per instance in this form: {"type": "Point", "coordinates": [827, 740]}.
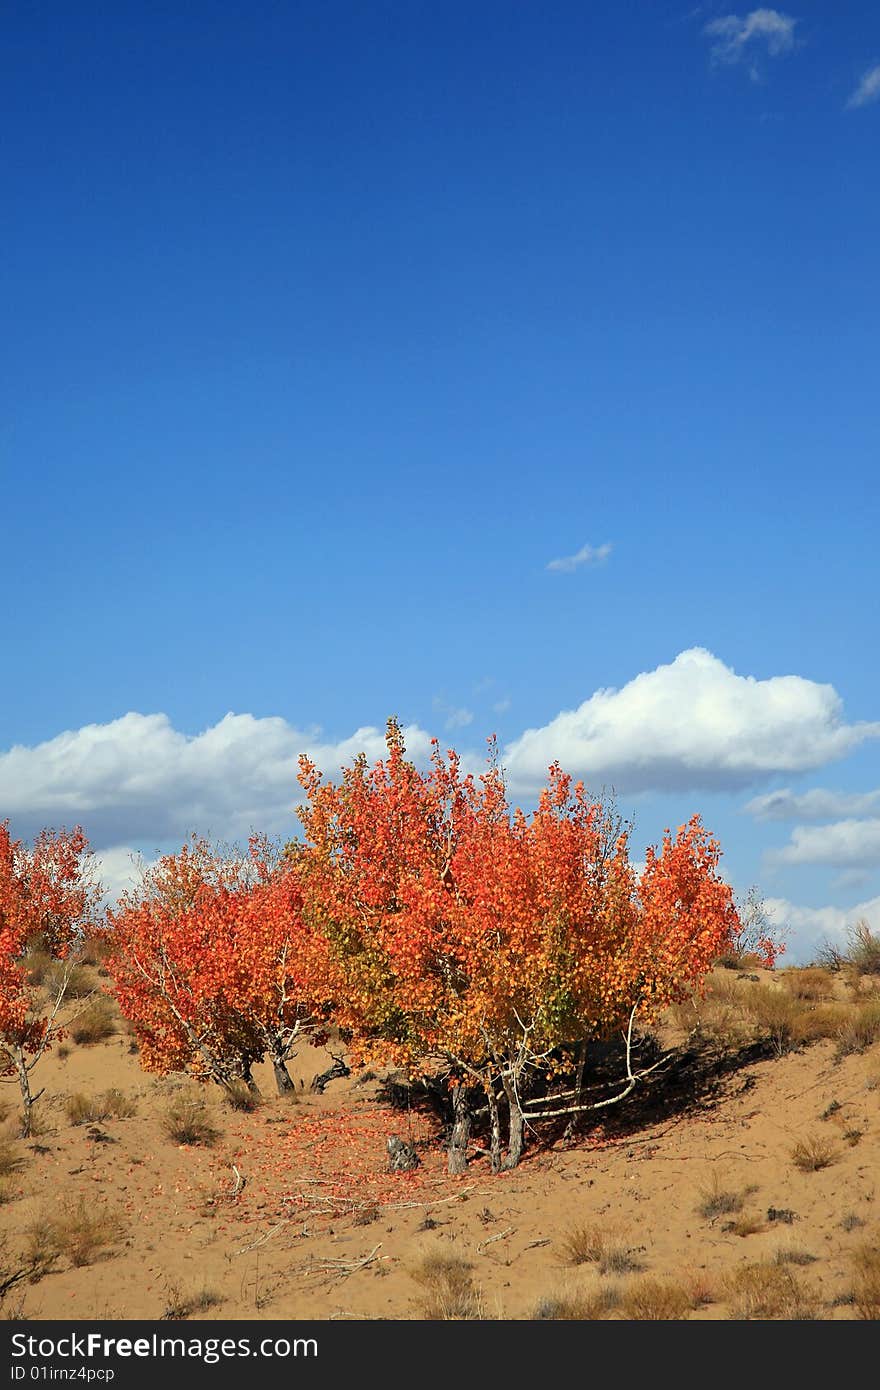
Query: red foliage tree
{"type": "Point", "coordinates": [214, 966]}
{"type": "Point", "coordinates": [49, 898]}
{"type": "Point", "coordinates": [462, 931]}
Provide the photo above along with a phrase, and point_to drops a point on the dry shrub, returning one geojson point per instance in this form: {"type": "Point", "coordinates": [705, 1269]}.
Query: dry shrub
{"type": "Point", "coordinates": [578, 1306]}
{"type": "Point", "coordinates": [793, 1255]}
{"type": "Point", "coordinates": [96, 1023]}
{"type": "Point", "coordinates": [775, 1015]}
{"type": "Point", "coordinates": [717, 1200]}
{"type": "Point", "coordinates": [239, 1096]}
{"type": "Point", "coordinates": [769, 1291]}
{"type": "Point", "coordinates": [37, 964]}
{"type": "Point", "coordinates": [809, 983]}
{"type": "Point", "coordinates": [851, 1221]}
{"type": "Point", "coordinates": [449, 1293]}
{"type": "Point", "coordinates": [79, 1233]}
{"type": "Point", "coordinates": [746, 1224]}
{"type": "Point", "coordinates": [818, 1021]}
{"type": "Point", "coordinates": [179, 1305]}
{"type": "Point", "coordinates": [593, 1245]}
{"type": "Point", "coordinates": [830, 957]}
{"type": "Point", "coordinates": [863, 949]}
{"type": "Point", "coordinates": [94, 950]}
{"type": "Point", "coordinates": [656, 1300]}
{"type": "Point", "coordinates": [866, 1281]}
{"type": "Point", "coordinates": [11, 1159]}
{"type": "Point", "coordinates": [81, 1109]}
{"type": "Point", "coordinates": [79, 981]}
{"type": "Point", "coordinates": [861, 1028]}
{"type": "Point", "coordinates": [809, 1155]}
{"type": "Point", "coordinates": [187, 1121]}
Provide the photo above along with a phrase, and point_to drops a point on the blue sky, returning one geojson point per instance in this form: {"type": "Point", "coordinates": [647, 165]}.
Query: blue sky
{"type": "Point", "coordinates": [468, 362]}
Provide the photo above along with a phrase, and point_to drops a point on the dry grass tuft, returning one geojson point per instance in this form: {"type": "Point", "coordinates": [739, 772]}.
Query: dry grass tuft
{"type": "Point", "coordinates": [860, 1029]}
{"type": "Point", "coordinates": [239, 1096]}
{"type": "Point", "coordinates": [577, 1306]}
{"type": "Point", "coordinates": [863, 949]}
{"type": "Point", "coordinates": [866, 1281]}
{"type": "Point", "coordinates": [769, 1291]}
{"type": "Point", "coordinates": [11, 1157]}
{"type": "Point", "coordinates": [656, 1300]}
{"type": "Point", "coordinates": [593, 1245]}
{"type": "Point", "coordinates": [81, 1109]}
{"type": "Point", "coordinates": [449, 1293]}
{"type": "Point", "coordinates": [809, 983]}
{"type": "Point", "coordinates": [79, 1233]}
{"type": "Point", "coordinates": [746, 1224]}
{"type": "Point", "coordinates": [809, 1155]}
{"type": "Point", "coordinates": [95, 1024]}
{"type": "Point", "coordinates": [717, 1200]}
{"type": "Point", "coordinates": [179, 1306]}
{"type": "Point", "coordinates": [187, 1121]}
{"type": "Point", "coordinates": [793, 1255]}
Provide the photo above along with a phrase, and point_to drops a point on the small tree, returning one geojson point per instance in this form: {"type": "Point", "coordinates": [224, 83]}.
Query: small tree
{"type": "Point", "coordinates": [213, 965]}
{"type": "Point", "coordinates": [49, 898]}
{"type": "Point", "coordinates": [489, 939]}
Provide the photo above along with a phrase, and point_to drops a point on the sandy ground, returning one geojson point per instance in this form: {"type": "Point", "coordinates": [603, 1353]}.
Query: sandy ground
{"type": "Point", "coordinates": [320, 1229]}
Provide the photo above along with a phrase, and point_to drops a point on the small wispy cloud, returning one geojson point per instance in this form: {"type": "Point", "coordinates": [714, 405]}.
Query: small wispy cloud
{"type": "Point", "coordinates": [587, 555]}
{"type": "Point", "coordinates": [454, 716]}
{"type": "Point", "coordinates": [867, 91]}
{"type": "Point", "coordinates": [817, 804]}
{"type": "Point", "coordinates": [743, 38]}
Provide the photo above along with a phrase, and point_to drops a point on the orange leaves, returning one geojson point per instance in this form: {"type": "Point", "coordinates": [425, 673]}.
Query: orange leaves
{"type": "Point", "coordinates": [48, 894]}
{"type": "Point", "coordinates": [214, 964]}
{"type": "Point", "coordinates": [460, 926]}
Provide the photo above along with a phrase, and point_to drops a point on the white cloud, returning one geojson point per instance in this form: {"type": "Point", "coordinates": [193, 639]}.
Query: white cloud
{"type": "Point", "coordinates": [845, 844]}
{"type": "Point", "coordinates": [454, 716]}
{"type": "Point", "coordinates": [139, 779]}
{"type": "Point", "coordinates": [693, 723]}
{"type": "Point", "coordinates": [813, 805]}
{"type": "Point", "coordinates": [738, 39]}
{"type": "Point", "coordinates": [120, 868]}
{"type": "Point", "coordinates": [587, 555]}
{"type": "Point", "coordinates": [867, 91]}
{"type": "Point", "coordinates": [806, 928]}
{"type": "Point", "coordinates": [501, 706]}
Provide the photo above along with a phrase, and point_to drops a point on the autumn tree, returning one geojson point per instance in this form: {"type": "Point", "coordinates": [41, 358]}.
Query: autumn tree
{"type": "Point", "coordinates": [488, 939]}
{"type": "Point", "coordinates": [214, 966]}
{"type": "Point", "coordinates": [49, 900]}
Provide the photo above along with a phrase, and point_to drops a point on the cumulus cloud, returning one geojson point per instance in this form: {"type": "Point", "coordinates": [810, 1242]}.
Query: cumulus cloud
{"type": "Point", "coordinates": [139, 779]}
{"type": "Point", "coordinates": [120, 868]}
{"type": "Point", "coordinates": [813, 805]}
{"type": "Point", "coordinates": [739, 38]}
{"type": "Point", "coordinates": [867, 91]}
{"type": "Point", "coordinates": [587, 555]}
{"type": "Point", "coordinates": [806, 928]}
{"type": "Point", "coordinates": [694, 723]}
{"type": "Point", "coordinates": [845, 844]}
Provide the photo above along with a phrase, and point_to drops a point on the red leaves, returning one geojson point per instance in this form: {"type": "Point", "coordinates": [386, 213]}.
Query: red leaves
{"type": "Point", "coordinates": [48, 896]}
{"type": "Point", "coordinates": [461, 928]}
{"type": "Point", "coordinates": [214, 964]}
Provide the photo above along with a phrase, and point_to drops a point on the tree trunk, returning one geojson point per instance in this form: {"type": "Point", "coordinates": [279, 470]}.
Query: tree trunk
{"type": "Point", "coordinates": [247, 1078]}
{"type": "Point", "coordinates": [283, 1079]}
{"type": "Point", "coordinates": [494, 1127]}
{"type": "Point", "coordinates": [27, 1099]}
{"type": "Point", "coordinates": [461, 1131]}
{"type": "Point", "coordinates": [515, 1138]}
